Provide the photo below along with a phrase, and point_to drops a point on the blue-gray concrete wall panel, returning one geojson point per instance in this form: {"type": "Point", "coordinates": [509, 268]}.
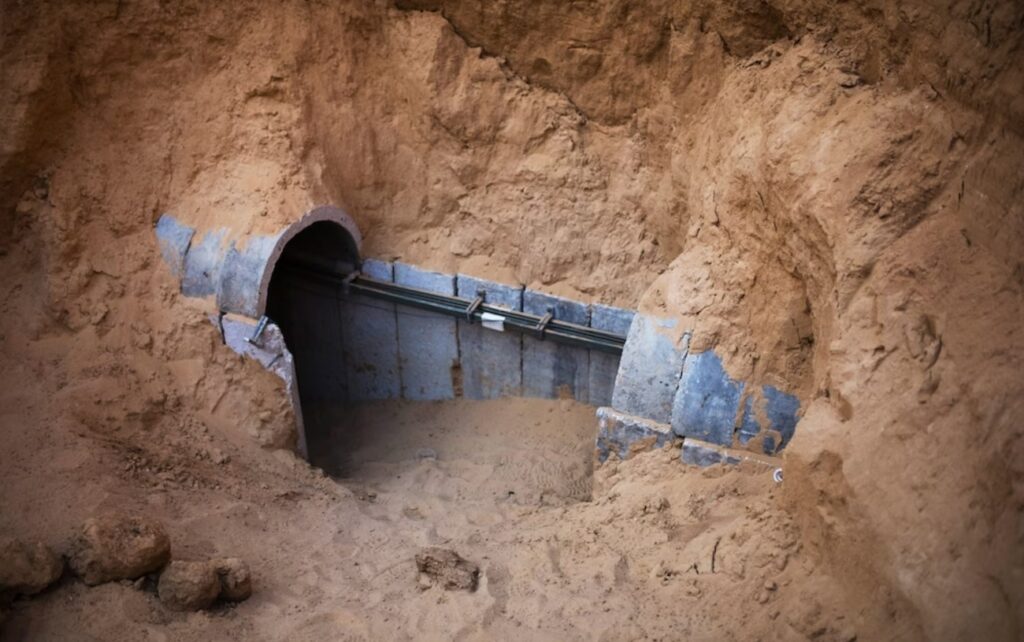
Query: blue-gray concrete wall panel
{"type": "Point", "coordinates": [649, 370]}
{"type": "Point", "coordinates": [707, 401]}
{"type": "Point", "coordinates": [427, 344]}
{"type": "Point", "coordinates": [202, 264]}
{"type": "Point", "coordinates": [749, 426]}
{"type": "Point", "coordinates": [377, 269]}
{"type": "Point", "coordinates": [238, 288]}
{"type": "Point", "coordinates": [611, 319]}
{"type": "Point", "coordinates": [603, 367]}
{"type": "Point", "coordinates": [173, 239]}
{"type": "Point", "coordinates": [370, 331]}
{"type": "Point", "coordinates": [782, 410]}
{"type": "Point", "coordinates": [491, 362]}
{"type": "Point", "coordinates": [553, 370]}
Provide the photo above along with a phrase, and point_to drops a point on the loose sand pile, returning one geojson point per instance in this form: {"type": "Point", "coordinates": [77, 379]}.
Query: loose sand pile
{"type": "Point", "coordinates": [829, 195]}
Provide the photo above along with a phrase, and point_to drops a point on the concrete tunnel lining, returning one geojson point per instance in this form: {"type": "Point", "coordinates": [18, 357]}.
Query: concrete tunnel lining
{"type": "Point", "coordinates": [237, 269]}
{"type": "Point", "coordinates": [309, 316]}
{"type": "Point", "coordinates": [345, 351]}
{"type": "Point", "coordinates": [239, 273]}
{"type": "Point", "coordinates": [320, 214]}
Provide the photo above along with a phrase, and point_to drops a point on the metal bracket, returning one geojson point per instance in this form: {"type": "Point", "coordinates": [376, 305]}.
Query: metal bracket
{"type": "Point", "coordinates": [347, 281]}
{"type": "Point", "coordinates": [477, 302]}
{"type": "Point", "coordinates": [258, 331]}
{"type": "Point", "coordinates": [543, 325]}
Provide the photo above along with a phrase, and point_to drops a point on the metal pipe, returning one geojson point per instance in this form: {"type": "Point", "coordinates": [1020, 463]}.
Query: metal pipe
{"type": "Point", "coordinates": [538, 326]}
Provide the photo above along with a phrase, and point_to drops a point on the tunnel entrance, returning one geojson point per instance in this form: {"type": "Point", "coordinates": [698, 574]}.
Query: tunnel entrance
{"type": "Point", "coordinates": [382, 392]}
{"type": "Point", "coordinates": [308, 312]}
{"type": "Point", "coordinates": [385, 335]}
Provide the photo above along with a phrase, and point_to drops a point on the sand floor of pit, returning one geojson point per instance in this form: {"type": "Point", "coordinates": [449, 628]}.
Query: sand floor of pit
{"type": "Point", "coordinates": [643, 549]}
{"type": "Point", "coordinates": [522, 451]}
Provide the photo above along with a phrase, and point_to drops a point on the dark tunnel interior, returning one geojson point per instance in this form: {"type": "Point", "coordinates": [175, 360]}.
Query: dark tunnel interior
{"type": "Point", "coordinates": [308, 311]}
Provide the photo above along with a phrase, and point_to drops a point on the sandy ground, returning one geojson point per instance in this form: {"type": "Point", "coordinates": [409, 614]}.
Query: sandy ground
{"type": "Point", "coordinates": [505, 483]}
{"type": "Point", "coordinates": [523, 451]}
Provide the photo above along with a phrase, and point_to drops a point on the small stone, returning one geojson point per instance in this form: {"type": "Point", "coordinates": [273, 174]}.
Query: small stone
{"type": "Point", "coordinates": [188, 586]}
{"type": "Point", "coordinates": [781, 561]}
{"type": "Point", "coordinates": [423, 582]}
{"type": "Point", "coordinates": [448, 568]}
{"type": "Point", "coordinates": [663, 571]}
{"type": "Point", "coordinates": [118, 547]}
{"type": "Point", "coordinates": [769, 585]}
{"type": "Point", "coordinates": [26, 569]}
{"type": "Point", "coordinates": [849, 80]}
{"type": "Point", "coordinates": [235, 578]}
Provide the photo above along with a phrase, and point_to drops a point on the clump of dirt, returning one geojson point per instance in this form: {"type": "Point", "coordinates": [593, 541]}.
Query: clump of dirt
{"type": "Point", "coordinates": [26, 569]}
{"type": "Point", "coordinates": [188, 586]}
{"type": "Point", "coordinates": [448, 569]}
{"type": "Point", "coordinates": [826, 194]}
{"type": "Point", "coordinates": [119, 548]}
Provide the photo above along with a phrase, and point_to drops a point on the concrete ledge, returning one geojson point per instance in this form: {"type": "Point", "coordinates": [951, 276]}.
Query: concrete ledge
{"type": "Point", "coordinates": [701, 453]}
{"type": "Point", "coordinates": [650, 367]}
{"type": "Point", "coordinates": [624, 435]}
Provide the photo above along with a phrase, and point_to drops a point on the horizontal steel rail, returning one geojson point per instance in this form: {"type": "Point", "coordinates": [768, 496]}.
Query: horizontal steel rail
{"type": "Point", "coordinates": [544, 328]}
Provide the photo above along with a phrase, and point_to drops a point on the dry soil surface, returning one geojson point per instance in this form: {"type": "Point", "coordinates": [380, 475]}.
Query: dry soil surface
{"type": "Point", "coordinates": [652, 550]}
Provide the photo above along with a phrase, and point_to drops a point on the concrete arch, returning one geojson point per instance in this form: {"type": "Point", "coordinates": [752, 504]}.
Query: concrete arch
{"type": "Point", "coordinates": [246, 274]}
{"type": "Point", "coordinates": [238, 271]}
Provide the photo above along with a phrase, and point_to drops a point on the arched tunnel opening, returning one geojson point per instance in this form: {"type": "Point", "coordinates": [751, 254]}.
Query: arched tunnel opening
{"type": "Point", "coordinates": [308, 313]}
{"type": "Point", "coordinates": [398, 389]}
